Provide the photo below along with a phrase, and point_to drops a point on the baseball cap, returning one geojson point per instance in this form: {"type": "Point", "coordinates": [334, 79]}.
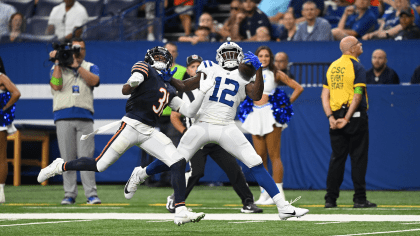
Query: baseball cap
{"type": "Point", "coordinates": [408, 11]}
{"type": "Point", "coordinates": [193, 58]}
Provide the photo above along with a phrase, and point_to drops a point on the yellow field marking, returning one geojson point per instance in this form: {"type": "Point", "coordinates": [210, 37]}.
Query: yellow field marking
{"type": "Point", "coordinates": [164, 204]}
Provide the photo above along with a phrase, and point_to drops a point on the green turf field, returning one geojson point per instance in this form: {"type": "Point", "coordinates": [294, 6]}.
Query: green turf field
{"type": "Point", "coordinates": [36, 210]}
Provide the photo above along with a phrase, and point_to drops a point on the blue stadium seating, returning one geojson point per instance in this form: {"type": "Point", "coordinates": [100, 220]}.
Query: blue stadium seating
{"type": "Point", "coordinates": [44, 7]}
{"type": "Point", "coordinates": [115, 7]}
{"type": "Point", "coordinates": [25, 7]}
{"type": "Point", "coordinates": [37, 25]}
{"type": "Point", "coordinates": [93, 7]}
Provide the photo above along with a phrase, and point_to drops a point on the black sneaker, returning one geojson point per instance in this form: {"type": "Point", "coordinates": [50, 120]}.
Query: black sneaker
{"type": "Point", "coordinates": [366, 204]}
{"type": "Point", "coordinates": [330, 205]}
{"type": "Point", "coordinates": [170, 203]}
{"type": "Point", "coordinates": [251, 208]}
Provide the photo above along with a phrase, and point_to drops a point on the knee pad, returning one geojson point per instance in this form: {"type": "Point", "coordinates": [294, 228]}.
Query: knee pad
{"type": "Point", "coordinates": [120, 144]}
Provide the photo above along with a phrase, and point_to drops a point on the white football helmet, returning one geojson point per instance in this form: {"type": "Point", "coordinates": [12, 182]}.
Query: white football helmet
{"type": "Point", "coordinates": [229, 55]}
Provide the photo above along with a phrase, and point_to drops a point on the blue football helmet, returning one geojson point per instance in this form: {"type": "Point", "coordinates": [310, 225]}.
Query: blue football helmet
{"type": "Point", "coordinates": [159, 58]}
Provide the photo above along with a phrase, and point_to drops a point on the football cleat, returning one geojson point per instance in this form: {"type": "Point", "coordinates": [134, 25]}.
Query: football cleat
{"type": "Point", "coordinates": [288, 210]}
{"type": "Point", "coordinates": [170, 203]}
{"type": "Point", "coordinates": [55, 168]}
{"type": "Point", "coordinates": [251, 208]}
{"type": "Point", "coordinates": [133, 182]}
{"type": "Point", "coordinates": [185, 216]}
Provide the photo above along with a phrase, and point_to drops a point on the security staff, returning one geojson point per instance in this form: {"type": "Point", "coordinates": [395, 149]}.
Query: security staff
{"type": "Point", "coordinates": [344, 99]}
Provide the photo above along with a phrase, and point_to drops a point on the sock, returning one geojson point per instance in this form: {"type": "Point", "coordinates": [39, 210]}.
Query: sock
{"type": "Point", "coordinates": [2, 197]}
{"type": "Point", "coordinates": [157, 166]}
{"type": "Point", "coordinates": [178, 182]}
{"type": "Point", "coordinates": [83, 163]}
{"type": "Point", "coordinates": [279, 200]}
{"type": "Point", "coordinates": [280, 187]}
{"type": "Point", "coordinates": [265, 180]}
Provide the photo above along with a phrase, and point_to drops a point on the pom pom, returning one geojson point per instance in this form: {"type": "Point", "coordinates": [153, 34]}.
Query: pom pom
{"type": "Point", "coordinates": [282, 109]}
{"type": "Point", "coordinates": [7, 116]}
{"type": "Point", "coordinates": [245, 108]}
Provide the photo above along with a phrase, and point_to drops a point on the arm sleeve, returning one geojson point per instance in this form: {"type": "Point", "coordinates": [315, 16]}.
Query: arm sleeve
{"type": "Point", "coordinates": [94, 69]}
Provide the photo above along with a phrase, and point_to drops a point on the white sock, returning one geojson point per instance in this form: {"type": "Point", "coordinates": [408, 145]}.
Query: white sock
{"type": "Point", "coordinates": [280, 187]}
{"type": "Point", "coordinates": [279, 200]}
{"type": "Point", "coordinates": [2, 197]}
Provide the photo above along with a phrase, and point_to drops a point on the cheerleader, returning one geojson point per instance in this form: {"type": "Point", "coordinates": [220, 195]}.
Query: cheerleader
{"type": "Point", "coordinates": [9, 94]}
{"type": "Point", "coordinates": [266, 125]}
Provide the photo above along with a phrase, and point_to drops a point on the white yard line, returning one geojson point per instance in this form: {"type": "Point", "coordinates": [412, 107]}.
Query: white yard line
{"type": "Point", "coordinates": [384, 232]}
{"type": "Point", "coordinates": [230, 217]}
{"type": "Point", "coordinates": [41, 223]}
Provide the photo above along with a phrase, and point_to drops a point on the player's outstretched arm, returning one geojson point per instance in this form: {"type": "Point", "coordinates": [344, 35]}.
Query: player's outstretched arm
{"type": "Point", "coordinates": [254, 90]}
{"type": "Point", "coordinates": [188, 84]}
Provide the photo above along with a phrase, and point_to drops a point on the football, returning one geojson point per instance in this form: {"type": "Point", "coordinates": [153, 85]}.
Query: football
{"type": "Point", "coordinates": [246, 70]}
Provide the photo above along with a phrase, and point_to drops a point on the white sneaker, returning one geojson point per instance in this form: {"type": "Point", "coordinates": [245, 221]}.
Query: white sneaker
{"type": "Point", "coordinates": [290, 211]}
{"type": "Point", "coordinates": [55, 168]}
{"type": "Point", "coordinates": [133, 182]}
{"type": "Point", "coordinates": [185, 216]}
{"type": "Point", "coordinates": [263, 197]}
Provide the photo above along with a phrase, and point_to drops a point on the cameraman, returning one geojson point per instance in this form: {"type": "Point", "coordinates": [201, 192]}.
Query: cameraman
{"type": "Point", "coordinates": [72, 89]}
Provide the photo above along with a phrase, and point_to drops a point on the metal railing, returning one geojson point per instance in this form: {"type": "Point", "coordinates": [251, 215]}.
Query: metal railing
{"type": "Point", "coordinates": [309, 74]}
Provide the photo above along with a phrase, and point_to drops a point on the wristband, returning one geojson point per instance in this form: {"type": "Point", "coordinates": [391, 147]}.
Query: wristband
{"type": "Point", "coordinates": [56, 81]}
{"type": "Point", "coordinates": [329, 116]}
{"type": "Point", "coordinates": [346, 120]}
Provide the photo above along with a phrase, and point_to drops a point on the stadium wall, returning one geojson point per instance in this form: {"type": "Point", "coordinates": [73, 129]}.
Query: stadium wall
{"type": "Point", "coordinates": [393, 115]}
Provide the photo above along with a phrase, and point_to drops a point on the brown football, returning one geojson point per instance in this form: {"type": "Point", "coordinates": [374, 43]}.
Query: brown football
{"type": "Point", "coordinates": [246, 70]}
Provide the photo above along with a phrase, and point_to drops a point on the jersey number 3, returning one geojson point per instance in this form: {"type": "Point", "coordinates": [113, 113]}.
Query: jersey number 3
{"type": "Point", "coordinates": [162, 101]}
{"type": "Point", "coordinates": [225, 91]}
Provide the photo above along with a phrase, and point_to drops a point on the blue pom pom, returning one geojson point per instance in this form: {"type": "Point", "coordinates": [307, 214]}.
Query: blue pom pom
{"type": "Point", "coordinates": [277, 100]}
{"type": "Point", "coordinates": [6, 117]}
{"type": "Point", "coordinates": [245, 108]}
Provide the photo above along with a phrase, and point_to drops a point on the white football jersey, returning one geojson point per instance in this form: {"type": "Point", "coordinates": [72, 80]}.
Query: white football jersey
{"type": "Point", "coordinates": [221, 102]}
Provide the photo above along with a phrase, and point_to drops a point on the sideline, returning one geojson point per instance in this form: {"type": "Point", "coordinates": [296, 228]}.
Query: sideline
{"type": "Point", "coordinates": [229, 217]}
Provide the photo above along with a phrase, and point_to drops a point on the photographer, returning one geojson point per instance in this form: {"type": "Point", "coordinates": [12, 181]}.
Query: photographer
{"type": "Point", "coordinates": [72, 83]}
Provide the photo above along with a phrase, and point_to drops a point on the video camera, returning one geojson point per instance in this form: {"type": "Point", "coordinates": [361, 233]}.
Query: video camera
{"type": "Point", "coordinates": [65, 53]}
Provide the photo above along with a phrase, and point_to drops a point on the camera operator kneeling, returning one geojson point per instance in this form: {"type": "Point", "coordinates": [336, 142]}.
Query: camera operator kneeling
{"type": "Point", "coordinates": [72, 81]}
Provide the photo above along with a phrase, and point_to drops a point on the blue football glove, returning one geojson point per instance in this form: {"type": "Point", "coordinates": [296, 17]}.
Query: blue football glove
{"type": "Point", "coordinates": [251, 58]}
{"type": "Point", "coordinates": [167, 74]}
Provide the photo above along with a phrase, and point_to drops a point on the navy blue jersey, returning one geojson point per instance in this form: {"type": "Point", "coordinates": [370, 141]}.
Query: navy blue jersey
{"type": "Point", "coordinates": [148, 100]}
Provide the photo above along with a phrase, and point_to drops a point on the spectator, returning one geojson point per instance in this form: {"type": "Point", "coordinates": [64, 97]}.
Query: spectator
{"type": "Point", "coordinates": [391, 18]}
{"type": "Point", "coordinates": [344, 99]}
{"type": "Point", "coordinates": [415, 79]}
{"type": "Point", "coordinates": [262, 35]}
{"type": "Point", "coordinates": [17, 26]}
{"type": "Point", "coordinates": [150, 13]}
{"type": "Point", "coordinates": [201, 34]}
{"type": "Point", "coordinates": [248, 22]}
{"type": "Point", "coordinates": [9, 95]}
{"type": "Point", "coordinates": [181, 7]}
{"type": "Point", "coordinates": [6, 11]}
{"type": "Point", "coordinates": [274, 9]}
{"type": "Point", "coordinates": [380, 73]}
{"type": "Point", "coordinates": [72, 89]}
{"type": "Point", "coordinates": [65, 18]}
{"type": "Point", "coordinates": [289, 30]}
{"type": "Point", "coordinates": [206, 20]}
{"type": "Point", "coordinates": [226, 31]}
{"type": "Point", "coordinates": [405, 30]}
{"type": "Point", "coordinates": [313, 28]}
{"type": "Point", "coordinates": [281, 61]}
{"type": "Point", "coordinates": [295, 7]}
{"type": "Point", "coordinates": [356, 21]}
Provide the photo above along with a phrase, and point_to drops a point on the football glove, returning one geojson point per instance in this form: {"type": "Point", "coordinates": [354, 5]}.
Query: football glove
{"type": "Point", "coordinates": [208, 83]}
{"type": "Point", "coordinates": [251, 58]}
{"type": "Point", "coordinates": [167, 74]}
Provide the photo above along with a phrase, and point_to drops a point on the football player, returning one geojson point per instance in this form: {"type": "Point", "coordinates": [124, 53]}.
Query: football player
{"type": "Point", "coordinates": [214, 123]}
{"type": "Point", "coordinates": [149, 92]}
